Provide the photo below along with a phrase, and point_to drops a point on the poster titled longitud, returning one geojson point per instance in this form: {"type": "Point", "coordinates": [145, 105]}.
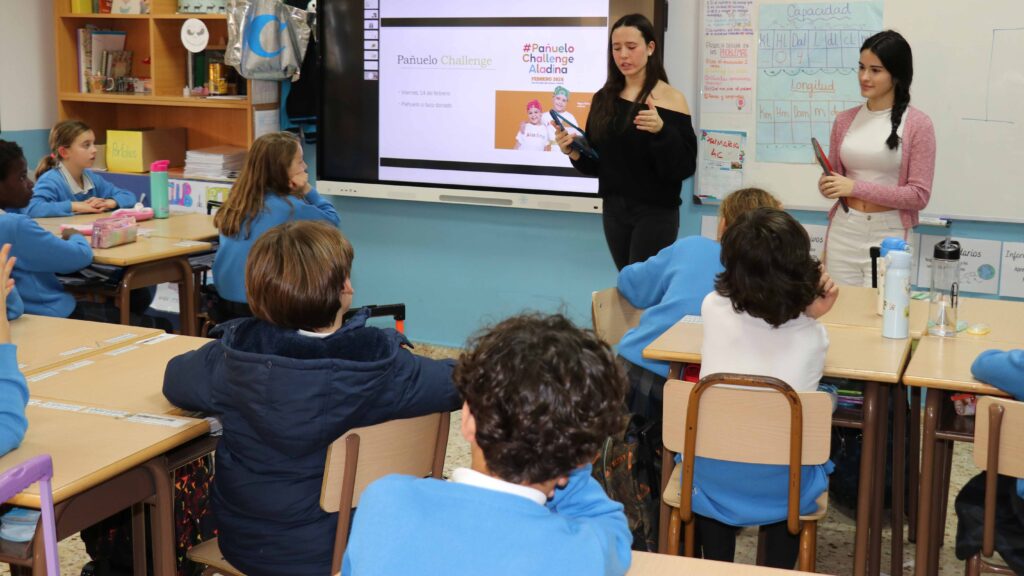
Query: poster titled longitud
{"type": "Point", "coordinates": [806, 72]}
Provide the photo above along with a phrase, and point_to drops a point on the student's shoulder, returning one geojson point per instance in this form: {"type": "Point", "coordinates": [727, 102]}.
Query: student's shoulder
{"type": "Point", "coordinates": [714, 304]}
{"type": "Point", "coordinates": [51, 177]}
{"type": "Point", "coordinates": [394, 488]}
{"type": "Point", "coordinates": [669, 98]}
{"type": "Point", "coordinates": [13, 222]}
{"type": "Point", "coordinates": [96, 176]}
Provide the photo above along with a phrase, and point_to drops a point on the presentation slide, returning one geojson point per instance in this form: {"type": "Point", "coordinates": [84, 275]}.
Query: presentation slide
{"type": "Point", "coordinates": [464, 91]}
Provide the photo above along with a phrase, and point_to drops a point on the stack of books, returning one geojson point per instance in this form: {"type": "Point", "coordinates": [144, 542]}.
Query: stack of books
{"type": "Point", "coordinates": [102, 59]}
{"type": "Point", "coordinates": [214, 162]}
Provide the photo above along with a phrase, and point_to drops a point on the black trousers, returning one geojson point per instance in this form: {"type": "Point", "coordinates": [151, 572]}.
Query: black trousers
{"type": "Point", "coordinates": [635, 231]}
{"type": "Point", "coordinates": [715, 540]}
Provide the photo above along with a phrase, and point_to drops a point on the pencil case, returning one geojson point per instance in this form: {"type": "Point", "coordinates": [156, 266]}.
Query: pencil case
{"type": "Point", "coordinates": [114, 231]}
{"type": "Point", "coordinates": [85, 229]}
{"type": "Point", "coordinates": [140, 214]}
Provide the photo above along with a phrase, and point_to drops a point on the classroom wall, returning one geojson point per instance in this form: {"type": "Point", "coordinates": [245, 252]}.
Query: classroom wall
{"type": "Point", "coordinates": [454, 266]}
{"type": "Point", "coordinates": [459, 266]}
{"type": "Point", "coordinates": [28, 103]}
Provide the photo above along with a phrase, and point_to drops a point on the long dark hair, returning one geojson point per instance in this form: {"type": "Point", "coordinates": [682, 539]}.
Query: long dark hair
{"type": "Point", "coordinates": [599, 123]}
{"type": "Point", "coordinates": [894, 52]}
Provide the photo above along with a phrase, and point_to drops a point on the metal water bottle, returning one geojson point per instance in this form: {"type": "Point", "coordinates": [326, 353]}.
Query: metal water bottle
{"type": "Point", "coordinates": [158, 194]}
{"type": "Point", "coordinates": [896, 314]}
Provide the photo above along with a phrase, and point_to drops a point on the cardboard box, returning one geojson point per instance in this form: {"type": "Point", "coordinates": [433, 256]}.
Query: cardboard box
{"type": "Point", "coordinates": [101, 157]}
{"type": "Point", "coordinates": [135, 150]}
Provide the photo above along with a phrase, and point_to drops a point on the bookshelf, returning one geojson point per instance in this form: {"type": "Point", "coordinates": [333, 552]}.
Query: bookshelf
{"type": "Point", "coordinates": [157, 53]}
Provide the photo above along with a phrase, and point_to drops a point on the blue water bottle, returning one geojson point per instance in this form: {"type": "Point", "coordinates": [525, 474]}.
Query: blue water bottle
{"type": "Point", "coordinates": [158, 195]}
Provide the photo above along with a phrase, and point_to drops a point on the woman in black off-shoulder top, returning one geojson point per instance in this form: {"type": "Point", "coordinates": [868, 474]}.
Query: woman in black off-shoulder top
{"type": "Point", "coordinates": [640, 127]}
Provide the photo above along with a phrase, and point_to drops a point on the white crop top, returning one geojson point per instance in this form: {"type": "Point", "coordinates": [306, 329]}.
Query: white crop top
{"type": "Point", "coordinates": [864, 153]}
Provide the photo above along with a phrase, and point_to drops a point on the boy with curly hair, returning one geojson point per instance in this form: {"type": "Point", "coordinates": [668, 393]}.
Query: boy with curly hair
{"type": "Point", "coordinates": [540, 396]}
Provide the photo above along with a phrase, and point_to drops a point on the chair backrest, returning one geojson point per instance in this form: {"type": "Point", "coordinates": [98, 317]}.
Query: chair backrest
{"type": "Point", "coordinates": [412, 446]}
{"type": "Point", "coordinates": [15, 479]}
{"type": "Point", "coordinates": [998, 449]}
{"type": "Point", "coordinates": [1010, 454]}
{"type": "Point", "coordinates": [747, 425]}
{"type": "Point", "coordinates": [770, 425]}
{"type": "Point", "coordinates": [613, 315]}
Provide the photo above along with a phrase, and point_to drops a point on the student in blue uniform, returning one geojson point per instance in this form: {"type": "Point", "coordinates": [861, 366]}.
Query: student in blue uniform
{"type": "Point", "coordinates": [41, 255]}
{"type": "Point", "coordinates": [1003, 369]}
{"type": "Point", "coordinates": [272, 188]}
{"type": "Point", "coordinates": [761, 319]}
{"type": "Point", "coordinates": [540, 398]}
{"type": "Point", "coordinates": [286, 384]}
{"type": "Point", "coordinates": [65, 183]}
{"type": "Point", "coordinates": [15, 189]}
{"type": "Point", "coordinates": [13, 388]}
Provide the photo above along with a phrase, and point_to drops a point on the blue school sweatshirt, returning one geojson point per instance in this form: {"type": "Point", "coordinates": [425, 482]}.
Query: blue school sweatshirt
{"type": "Point", "coordinates": [41, 255]}
{"type": "Point", "coordinates": [52, 196]}
{"type": "Point", "coordinates": [15, 305]}
{"type": "Point", "coordinates": [13, 398]}
{"type": "Point", "coordinates": [1004, 370]}
{"type": "Point", "coordinates": [406, 526]}
{"type": "Point", "coordinates": [668, 286]}
{"type": "Point", "coordinates": [229, 263]}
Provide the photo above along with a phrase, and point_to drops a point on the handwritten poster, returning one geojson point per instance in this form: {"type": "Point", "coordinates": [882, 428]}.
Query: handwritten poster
{"type": "Point", "coordinates": [1011, 280]}
{"type": "Point", "coordinates": [728, 82]}
{"type": "Point", "coordinates": [721, 154]}
{"type": "Point", "coordinates": [817, 232]}
{"type": "Point", "coordinates": [807, 72]}
{"type": "Point", "coordinates": [709, 227]}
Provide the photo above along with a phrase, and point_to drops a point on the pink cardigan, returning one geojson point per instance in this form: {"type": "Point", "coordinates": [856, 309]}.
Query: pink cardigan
{"type": "Point", "coordinates": [917, 167]}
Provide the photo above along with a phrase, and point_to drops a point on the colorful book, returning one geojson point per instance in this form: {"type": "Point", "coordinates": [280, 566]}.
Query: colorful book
{"type": "Point", "coordinates": [84, 58]}
{"type": "Point", "coordinates": [105, 41]}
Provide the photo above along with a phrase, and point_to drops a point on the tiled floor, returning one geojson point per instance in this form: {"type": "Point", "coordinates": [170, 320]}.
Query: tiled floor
{"type": "Point", "coordinates": [835, 533]}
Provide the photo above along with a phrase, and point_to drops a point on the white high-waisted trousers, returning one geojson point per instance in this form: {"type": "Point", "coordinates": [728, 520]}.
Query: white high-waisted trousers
{"type": "Point", "coordinates": [850, 237]}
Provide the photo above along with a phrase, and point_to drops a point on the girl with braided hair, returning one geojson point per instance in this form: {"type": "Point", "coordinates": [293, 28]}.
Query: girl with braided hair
{"type": "Point", "coordinates": [883, 156]}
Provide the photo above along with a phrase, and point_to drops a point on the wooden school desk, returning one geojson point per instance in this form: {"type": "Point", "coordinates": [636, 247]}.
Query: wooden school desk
{"type": "Point", "coordinates": [128, 377]}
{"type": "Point", "coordinates": [44, 342]}
{"type": "Point", "coordinates": [857, 306]}
{"type": "Point", "coordinates": [183, 226]}
{"type": "Point", "coordinates": [648, 564]}
{"type": "Point", "coordinates": [101, 465]}
{"type": "Point", "coordinates": [943, 365]}
{"type": "Point", "coordinates": [147, 262]}
{"type": "Point", "coordinates": [856, 353]}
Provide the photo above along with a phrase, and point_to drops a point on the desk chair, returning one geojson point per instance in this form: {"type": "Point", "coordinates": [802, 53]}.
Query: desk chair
{"type": "Point", "coordinates": [412, 446]}
{"type": "Point", "coordinates": [778, 426]}
{"type": "Point", "coordinates": [612, 315]}
{"type": "Point", "coordinates": [998, 449]}
{"type": "Point", "coordinates": [37, 469]}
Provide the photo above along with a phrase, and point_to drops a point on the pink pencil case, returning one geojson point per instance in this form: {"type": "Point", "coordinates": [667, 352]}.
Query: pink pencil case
{"type": "Point", "coordinates": [140, 214]}
{"type": "Point", "coordinates": [85, 229]}
{"type": "Point", "coordinates": [114, 231]}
